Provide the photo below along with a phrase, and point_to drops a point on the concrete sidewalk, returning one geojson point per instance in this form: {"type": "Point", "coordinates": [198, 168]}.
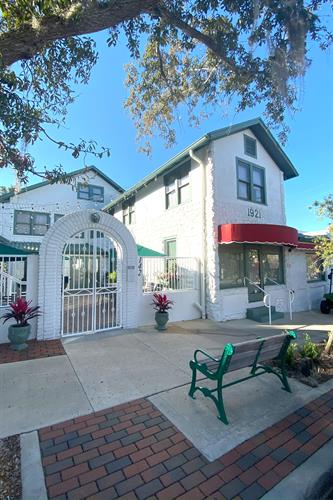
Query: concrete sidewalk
{"type": "Point", "coordinates": [112, 368]}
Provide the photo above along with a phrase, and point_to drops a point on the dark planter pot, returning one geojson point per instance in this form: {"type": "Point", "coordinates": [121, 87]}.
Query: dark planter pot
{"type": "Point", "coordinates": [18, 335]}
{"type": "Point", "coordinates": [161, 320]}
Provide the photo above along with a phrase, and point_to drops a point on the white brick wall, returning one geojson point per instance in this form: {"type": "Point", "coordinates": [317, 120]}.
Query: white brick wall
{"type": "Point", "coordinates": [52, 199]}
{"type": "Point", "coordinates": [50, 268]}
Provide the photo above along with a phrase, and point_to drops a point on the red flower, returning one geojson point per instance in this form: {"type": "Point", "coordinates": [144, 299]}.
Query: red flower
{"type": "Point", "coordinates": [161, 303]}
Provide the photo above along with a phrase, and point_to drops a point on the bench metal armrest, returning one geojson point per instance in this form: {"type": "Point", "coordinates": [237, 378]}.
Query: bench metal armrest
{"type": "Point", "coordinates": [217, 360]}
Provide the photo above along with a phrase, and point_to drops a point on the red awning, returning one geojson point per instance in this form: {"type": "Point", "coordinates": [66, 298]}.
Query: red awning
{"type": "Point", "coordinates": [260, 233]}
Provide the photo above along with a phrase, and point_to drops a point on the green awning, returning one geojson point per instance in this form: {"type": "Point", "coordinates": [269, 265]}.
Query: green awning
{"type": "Point", "coordinates": [148, 252]}
{"type": "Point", "coordinates": [10, 250]}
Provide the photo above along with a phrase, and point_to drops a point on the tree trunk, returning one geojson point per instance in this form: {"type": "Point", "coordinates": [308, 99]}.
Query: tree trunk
{"type": "Point", "coordinates": [30, 38]}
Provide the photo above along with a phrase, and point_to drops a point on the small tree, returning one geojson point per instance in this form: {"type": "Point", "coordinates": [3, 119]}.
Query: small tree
{"type": "Point", "coordinates": [324, 244]}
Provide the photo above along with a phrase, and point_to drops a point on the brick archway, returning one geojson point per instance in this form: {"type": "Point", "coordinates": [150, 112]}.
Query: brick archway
{"type": "Point", "coordinates": [50, 268]}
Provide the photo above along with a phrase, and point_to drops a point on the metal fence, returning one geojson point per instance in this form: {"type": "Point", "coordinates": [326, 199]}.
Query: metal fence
{"type": "Point", "coordinates": [13, 284]}
{"type": "Point", "coordinates": [169, 273]}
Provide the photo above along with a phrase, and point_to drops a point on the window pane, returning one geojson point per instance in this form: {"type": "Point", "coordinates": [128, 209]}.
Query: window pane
{"type": "Point", "coordinates": [23, 217]}
{"type": "Point", "coordinates": [184, 193]}
{"type": "Point", "coordinates": [40, 218]}
{"type": "Point", "coordinates": [97, 193]}
{"type": "Point", "coordinates": [184, 178]}
{"type": "Point", "coordinates": [22, 228]}
{"type": "Point", "coordinates": [258, 176]}
{"type": "Point", "coordinates": [243, 172]}
{"type": "Point", "coordinates": [243, 190]}
{"type": "Point", "coordinates": [313, 270]}
{"type": "Point", "coordinates": [84, 195]}
{"type": "Point", "coordinates": [171, 199]}
{"type": "Point", "coordinates": [39, 230]}
{"type": "Point", "coordinates": [232, 268]}
{"type": "Point", "coordinates": [273, 268]}
{"type": "Point", "coordinates": [258, 194]}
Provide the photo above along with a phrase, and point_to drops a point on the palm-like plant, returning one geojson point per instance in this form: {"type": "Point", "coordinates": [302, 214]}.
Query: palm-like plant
{"type": "Point", "coordinates": [161, 303]}
{"type": "Point", "coordinates": [21, 311]}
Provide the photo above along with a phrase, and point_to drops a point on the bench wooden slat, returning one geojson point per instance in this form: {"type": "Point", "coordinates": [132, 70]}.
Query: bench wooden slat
{"type": "Point", "coordinates": [252, 345]}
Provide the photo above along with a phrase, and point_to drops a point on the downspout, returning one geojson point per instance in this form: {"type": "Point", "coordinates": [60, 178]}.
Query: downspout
{"type": "Point", "coordinates": [204, 233]}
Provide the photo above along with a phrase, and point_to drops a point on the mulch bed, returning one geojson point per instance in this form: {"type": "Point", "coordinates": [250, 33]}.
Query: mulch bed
{"type": "Point", "coordinates": [35, 350]}
{"type": "Point", "coordinates": [313, 372]}
{"type": "Point", "coordinates": [10, 468]}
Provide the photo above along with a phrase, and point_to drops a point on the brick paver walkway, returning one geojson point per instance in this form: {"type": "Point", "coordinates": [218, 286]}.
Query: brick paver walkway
{"type": "Point", "coordinates": [35, 350]}
{"type": "Point", "coordinates": [133, 451]}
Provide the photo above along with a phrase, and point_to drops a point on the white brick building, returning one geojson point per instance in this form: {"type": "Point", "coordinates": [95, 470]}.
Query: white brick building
{"type": "Point", "coordinates": [216, 210]}
{"type": "Point", "coordinates": [230, 180]}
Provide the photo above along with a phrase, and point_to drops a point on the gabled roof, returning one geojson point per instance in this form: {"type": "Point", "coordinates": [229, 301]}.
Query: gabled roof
{"type": "Point", "coordinates": [7, 196]}
{"type": "Point", "coordinates": [259, 129]}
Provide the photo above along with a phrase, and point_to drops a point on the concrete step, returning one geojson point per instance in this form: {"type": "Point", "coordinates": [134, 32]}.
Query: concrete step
{"type": "Point", "coordinates": [261, 314]}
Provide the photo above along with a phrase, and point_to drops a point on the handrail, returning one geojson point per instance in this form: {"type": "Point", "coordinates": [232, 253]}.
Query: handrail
{"type": "Point", "coordinates": [254, 284]}
{"type": "Point", "coordinates": [266, 299]}
{"type": "Point", "coordinates": [10, 276]}
{"type": "Point", "coordinates": [291, 296]}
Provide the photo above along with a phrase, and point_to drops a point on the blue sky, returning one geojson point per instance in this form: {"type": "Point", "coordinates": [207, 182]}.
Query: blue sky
{"type": "Point", "coordinates": [98, 114]}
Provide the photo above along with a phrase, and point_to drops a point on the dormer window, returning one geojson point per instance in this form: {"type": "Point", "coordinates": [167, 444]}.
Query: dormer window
{"type": "Point", "coordinates": [250, 146]}
{"type": "Point", "coordinates": [90, 193]}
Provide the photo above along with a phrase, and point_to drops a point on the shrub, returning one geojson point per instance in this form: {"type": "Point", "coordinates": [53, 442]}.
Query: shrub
{"type": "Point", "coordinates": [309, 349]}
{"type": "Point", "coordinates": [292, 354]}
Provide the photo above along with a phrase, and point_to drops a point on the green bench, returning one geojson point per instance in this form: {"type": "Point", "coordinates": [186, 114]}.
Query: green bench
{"type": "Point", "coordinates": [236, 356]}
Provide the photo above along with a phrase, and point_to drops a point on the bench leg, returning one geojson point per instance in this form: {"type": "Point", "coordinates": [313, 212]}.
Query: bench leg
{"type": "Point", "coordinates": [194, 380]}
{"type": "Point", "coordinates": [220, 405]}
{"type": "Point", "coordinates": [284, 378]}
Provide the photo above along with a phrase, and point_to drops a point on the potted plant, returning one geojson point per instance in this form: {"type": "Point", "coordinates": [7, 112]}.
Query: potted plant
{"type": "Point", "coordinates": [161, 304]}
{"type": "Point", "coordinates": [21, 312]}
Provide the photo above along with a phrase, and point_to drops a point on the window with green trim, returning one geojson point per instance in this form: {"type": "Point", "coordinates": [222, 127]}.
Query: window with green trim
{"type": "Point", "coordinates": [31, 223]}
{"type": "Point", "coordinates": [90, 192]}
{"type": "Point", "coordinates": [235, 261]}
{"type": "Point", "coordinates": [177, 186]}
{"type": "Point", "coordinates": [129, 211]}
{"type": "Point", "coordinates": [314, 270]}
{"type": "Point", "coordinates": [250, 182]}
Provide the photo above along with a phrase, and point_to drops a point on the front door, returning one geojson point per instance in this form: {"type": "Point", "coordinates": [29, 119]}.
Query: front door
{"type": "Point", "coordinates": [253, 272]}
{"type": "Point", "coordinates": [91, 293]}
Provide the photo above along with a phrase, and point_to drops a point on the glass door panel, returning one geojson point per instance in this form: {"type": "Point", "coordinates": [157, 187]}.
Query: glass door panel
{"type": "Point", "coordinates": [253, 272]}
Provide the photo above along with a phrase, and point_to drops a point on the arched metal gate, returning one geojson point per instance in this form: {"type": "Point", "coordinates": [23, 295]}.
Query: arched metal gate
{"type": "Point", "coordinates": [91, 284]}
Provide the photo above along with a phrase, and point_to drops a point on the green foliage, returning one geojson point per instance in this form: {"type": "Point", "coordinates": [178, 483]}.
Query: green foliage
{"type": "Point", "coordinates": [113, 277]}
{"type": "Point", "coordinates": [309, 348]}
{"type": "Point", "coordinates": [292, 353]}
{"type": "Point", "coordinates": [187, 56]}
{"type": "Point", "coordinates": [323, 244]}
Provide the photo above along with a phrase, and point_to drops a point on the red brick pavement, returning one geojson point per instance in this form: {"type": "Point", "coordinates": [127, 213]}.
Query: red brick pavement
{"type": "Point", "coordinates": [133, 451]}
{"type": "Point", "coordinates": [35, 350]}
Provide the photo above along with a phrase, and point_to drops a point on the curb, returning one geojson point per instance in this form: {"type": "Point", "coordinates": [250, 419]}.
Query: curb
{"type": "Point", "coordinates": [307, 480]}
{"type": "Point", "coordinates": [33, 484]}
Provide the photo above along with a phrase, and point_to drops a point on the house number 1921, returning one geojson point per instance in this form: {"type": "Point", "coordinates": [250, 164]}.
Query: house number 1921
{"type": "Point", "coordinates": [254, 213]}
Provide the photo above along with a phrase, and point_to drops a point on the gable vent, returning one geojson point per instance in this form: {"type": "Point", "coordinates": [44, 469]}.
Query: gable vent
{"type": "Point", "coordinates": [250, 146]}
